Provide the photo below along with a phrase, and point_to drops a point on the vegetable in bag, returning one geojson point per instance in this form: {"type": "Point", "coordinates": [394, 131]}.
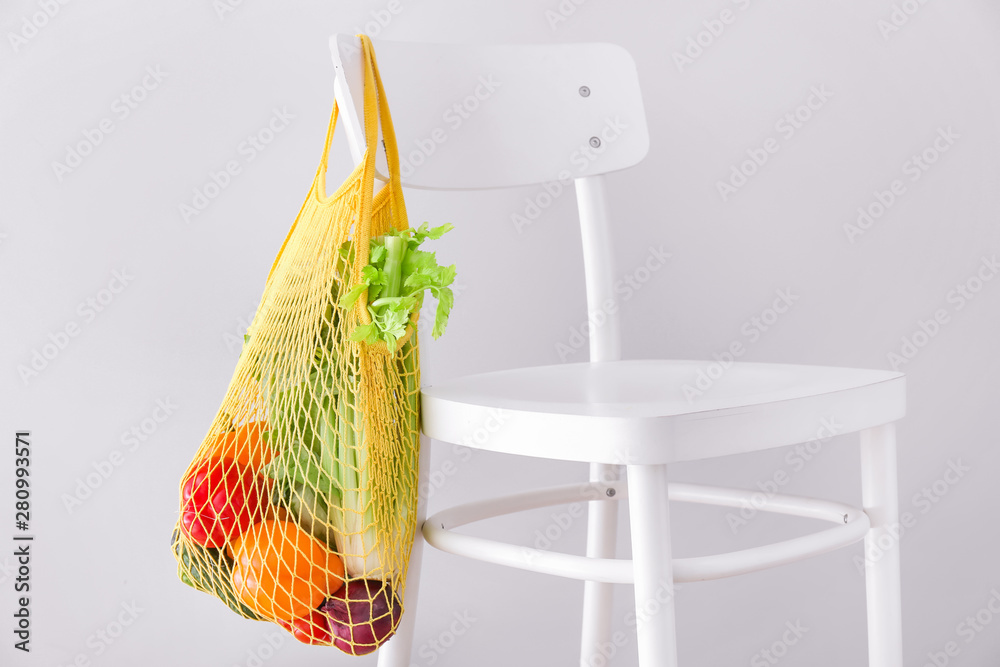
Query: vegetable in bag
{"type": "Point", "coordinates": [300, 505]}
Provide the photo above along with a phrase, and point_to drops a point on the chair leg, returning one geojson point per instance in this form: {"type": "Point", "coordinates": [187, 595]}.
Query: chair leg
{"type": "Point", "coordinates": [602, 533]}
{"type": "Point", "coordinates": [396, 652]}
{"type": "Point", "coordinates": [882, 580]}
{"type": "Point", "coordinates": [654, 583]}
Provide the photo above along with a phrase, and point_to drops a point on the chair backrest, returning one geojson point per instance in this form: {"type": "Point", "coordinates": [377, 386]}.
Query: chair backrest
{"type": "Point", "coordinates": [472, 116]}
{"type": "Point", "coordinates": [489, 116]}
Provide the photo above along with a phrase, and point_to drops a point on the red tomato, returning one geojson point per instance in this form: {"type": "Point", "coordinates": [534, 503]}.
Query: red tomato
{"type": "Point", "coordinates": [314, 629]}
{"type": "Point", "coordinates": [220, 499]}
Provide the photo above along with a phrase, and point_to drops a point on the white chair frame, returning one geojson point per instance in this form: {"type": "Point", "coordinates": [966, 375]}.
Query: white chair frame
{"type": "Point", "coordinates": [674, 437]}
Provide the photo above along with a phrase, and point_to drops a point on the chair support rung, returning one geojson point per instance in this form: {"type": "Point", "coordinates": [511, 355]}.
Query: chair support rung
{"type": "Point", "coordinates": [852, 525]}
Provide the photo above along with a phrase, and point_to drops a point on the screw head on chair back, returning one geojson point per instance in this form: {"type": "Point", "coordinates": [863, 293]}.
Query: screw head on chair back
{"type": "Point", "coordinates": [472, 116]}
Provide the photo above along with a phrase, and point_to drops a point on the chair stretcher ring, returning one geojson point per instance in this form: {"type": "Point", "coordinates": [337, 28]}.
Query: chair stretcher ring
{"type": "Point", "coordinates": [851, 526]}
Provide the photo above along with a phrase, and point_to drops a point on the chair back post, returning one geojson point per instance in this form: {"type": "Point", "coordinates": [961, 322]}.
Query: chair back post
{"type": "Point", "coordinates": [605, 345]}
{"type": "Point", "coordinates": [602, 307]}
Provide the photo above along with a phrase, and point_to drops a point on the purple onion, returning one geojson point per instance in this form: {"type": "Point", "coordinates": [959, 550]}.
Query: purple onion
{"type": "Point", "coordinates": [363, 615]}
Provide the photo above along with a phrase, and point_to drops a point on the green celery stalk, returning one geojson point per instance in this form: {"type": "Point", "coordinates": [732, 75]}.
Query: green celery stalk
{"type": "Point", "coordinates": [395, 247]}
{"type": "Point", "coordinates": [353, 519]}
{"type": "Point", "coordinates": [323, 439]}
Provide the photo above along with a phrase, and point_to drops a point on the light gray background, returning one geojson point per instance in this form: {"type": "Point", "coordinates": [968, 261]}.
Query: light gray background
{"type": "Point", "coordinates": [169, 333]}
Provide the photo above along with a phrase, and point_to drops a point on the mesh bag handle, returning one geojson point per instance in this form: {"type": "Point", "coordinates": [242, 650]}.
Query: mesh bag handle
{"type": "Point", "coordinates": [376, 115]}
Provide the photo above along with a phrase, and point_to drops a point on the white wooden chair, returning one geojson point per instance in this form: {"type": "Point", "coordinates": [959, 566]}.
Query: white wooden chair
{"type": "Point", "coordinates": [533, 111]}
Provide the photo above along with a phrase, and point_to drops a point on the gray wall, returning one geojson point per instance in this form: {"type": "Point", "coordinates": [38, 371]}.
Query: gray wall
{"type": "Point", "coordinates": [169, 334]}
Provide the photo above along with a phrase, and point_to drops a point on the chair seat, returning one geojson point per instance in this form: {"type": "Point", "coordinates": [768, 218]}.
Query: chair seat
{"type": "Point", "coordinates": [642, 412]}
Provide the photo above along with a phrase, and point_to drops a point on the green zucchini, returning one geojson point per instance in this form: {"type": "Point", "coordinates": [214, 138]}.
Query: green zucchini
{"type": "Point", "coordinates": [210, 571]}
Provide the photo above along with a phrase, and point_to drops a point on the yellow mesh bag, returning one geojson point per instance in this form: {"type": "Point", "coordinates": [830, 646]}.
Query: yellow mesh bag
{"type": "Point", "coordinates": [300, 505]}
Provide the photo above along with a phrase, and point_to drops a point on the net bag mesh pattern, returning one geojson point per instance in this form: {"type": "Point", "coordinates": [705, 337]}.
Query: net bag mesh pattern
{"type": "Point", "coordinates": [299, 506]}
